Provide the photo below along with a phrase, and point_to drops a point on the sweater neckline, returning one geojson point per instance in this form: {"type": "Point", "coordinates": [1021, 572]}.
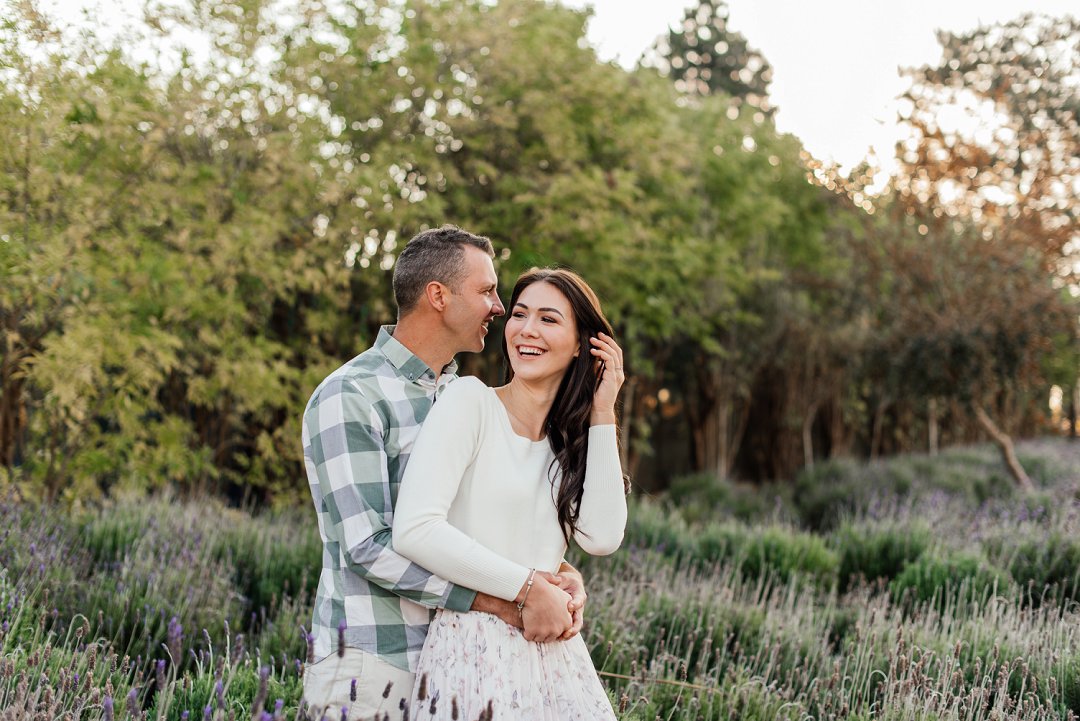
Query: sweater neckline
{"type": "Point", "coordinates": [505, 414]}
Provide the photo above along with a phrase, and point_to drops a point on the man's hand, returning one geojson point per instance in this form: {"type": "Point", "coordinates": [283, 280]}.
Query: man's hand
{"type": "Point", "coordinates": [505, 610]}
{"type": "Point", "coordinates": [546, 614]}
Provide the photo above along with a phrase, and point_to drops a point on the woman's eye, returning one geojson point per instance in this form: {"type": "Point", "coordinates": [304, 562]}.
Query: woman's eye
{"type": "Point", "coordinates": [548, 320]}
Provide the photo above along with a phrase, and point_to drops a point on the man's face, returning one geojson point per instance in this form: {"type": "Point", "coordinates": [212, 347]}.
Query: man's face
{"type": "Point", "coordinates": [474, 303]}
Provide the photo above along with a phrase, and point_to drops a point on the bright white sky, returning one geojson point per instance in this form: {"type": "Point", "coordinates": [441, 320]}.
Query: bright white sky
{"type": "Point", "coordinates": [834, 62]}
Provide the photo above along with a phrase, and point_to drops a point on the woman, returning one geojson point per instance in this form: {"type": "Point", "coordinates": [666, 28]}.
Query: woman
{"type": "Point", "coordinates": [498, 483]}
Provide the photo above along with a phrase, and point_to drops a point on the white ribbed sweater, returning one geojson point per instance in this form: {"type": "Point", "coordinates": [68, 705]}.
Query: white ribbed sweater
{"type": "Point", "coordinates": [476, 507]}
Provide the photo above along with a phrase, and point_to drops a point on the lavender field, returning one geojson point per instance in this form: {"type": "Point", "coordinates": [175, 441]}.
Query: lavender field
{"type": "Point", "coordinates": [918, 588]}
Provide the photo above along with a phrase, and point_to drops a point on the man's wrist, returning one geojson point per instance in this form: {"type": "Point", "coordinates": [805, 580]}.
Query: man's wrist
{"type": "Point", "coordinates": [505, 610]}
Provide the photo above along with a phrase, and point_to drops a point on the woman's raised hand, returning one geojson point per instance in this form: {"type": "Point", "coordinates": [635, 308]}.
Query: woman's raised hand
{"type": "Point", "coordinates": [609, 356]}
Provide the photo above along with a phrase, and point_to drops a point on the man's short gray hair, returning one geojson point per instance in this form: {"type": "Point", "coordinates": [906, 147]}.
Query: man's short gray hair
{"type": "Point", "coordinates": [433, 255]}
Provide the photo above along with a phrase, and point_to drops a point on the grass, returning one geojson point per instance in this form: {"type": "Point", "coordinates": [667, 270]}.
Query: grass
{"type": "Point", "coordinates": [911, 589]}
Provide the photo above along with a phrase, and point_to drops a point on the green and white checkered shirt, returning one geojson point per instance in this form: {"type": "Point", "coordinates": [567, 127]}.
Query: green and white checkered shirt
{"type": "Point", "coordinates": [359, 428]}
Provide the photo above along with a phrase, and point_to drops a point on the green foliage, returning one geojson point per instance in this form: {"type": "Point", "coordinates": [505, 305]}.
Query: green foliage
{"type": "Point", "coordinates": [702, 496]}
{"type": "Point", "coordinates": [1044, 562]}
{"type": "Point", "coordinates": [705, 56]}
{"type": "Point", "coordinates": [946, 578]}
{"type": "Point", "coordinates": [789, 555]}
{"type": "Point", "coordinates": [727, 619]}
{"type": "Point", "coordinates": [878, 550]}
{"type": "Point", "coordinates": [1070, 684]}
{"type": "Point", "coordinates": [827, 493]}
{"type": "Point", "coordinates": [187, 248]}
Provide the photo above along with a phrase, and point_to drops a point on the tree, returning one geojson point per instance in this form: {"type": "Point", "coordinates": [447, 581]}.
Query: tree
{"type": "Point", "coordinates": [994, 135]}
{"type": "Point", "coordinates": [969, 319]}
{"type": "Point", "coordinates": [1008, 173]}
{"type": "Point", "coordinates": [705, 57]}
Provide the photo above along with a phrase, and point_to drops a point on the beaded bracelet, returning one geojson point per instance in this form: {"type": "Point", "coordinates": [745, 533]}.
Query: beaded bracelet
{"type": "Point", "coordinates": [528, 587]}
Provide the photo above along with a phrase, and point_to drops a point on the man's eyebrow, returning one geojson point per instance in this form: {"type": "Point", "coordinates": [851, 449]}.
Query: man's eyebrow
{"type": "Point", "coordinates": [542, 310]}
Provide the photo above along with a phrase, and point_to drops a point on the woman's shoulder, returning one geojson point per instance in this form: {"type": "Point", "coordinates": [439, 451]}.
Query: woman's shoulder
{"type": "Point", "coordinates": [467, 390]}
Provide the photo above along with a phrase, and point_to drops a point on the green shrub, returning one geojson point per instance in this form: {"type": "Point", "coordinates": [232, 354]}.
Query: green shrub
{"type": "Point", "coordinates": [109, 534]}
{"type": "Point", "coordinates": [788, 553]}
{"type": "Point", "coordinates": [197, 691]}
{"type": "Point", "coordinates": [873, 550]}
{"type": "Point", "coordinates": [948, 578]}
{"type": "Point", "coordinates": [828, 491]}
{"type": "Point", "coordinates": [719, 542]}
{"type": "Point", "coordinates": [1051, 562]}
{"type": "Point", "coordinates": [650, 526]}
{"type": "Point", "coordinates": [701, 497]}
{"type": "Point", "coordinates": [273, 556]}
{"type": "Point", "coordinates": [1070, 684]}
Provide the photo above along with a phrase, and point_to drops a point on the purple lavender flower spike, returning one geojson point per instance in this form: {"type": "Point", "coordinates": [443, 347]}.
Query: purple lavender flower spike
{"type": "Point", "coordinates": [107, 705]}
{"type": "Point", "coordinates": [208, 713]}
{"type": "Point", "coordinates": [341, 638]}
{"type": "Point", "coordinates": [185, 715]}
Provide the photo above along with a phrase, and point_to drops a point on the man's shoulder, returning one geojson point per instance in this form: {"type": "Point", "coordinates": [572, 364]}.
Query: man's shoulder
{"type": "Point", "coordinates": [363, 376]}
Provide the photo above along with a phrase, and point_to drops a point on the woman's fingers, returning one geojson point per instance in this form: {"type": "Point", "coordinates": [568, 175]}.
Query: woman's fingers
{"type": "Point", "coordinates": [607, 349]}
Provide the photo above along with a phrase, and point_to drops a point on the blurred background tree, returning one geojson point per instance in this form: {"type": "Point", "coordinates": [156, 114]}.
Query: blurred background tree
{"type": "Point", "coordinates": [188, 244]}
{"type": "Point", "coordinates": [705, 57]}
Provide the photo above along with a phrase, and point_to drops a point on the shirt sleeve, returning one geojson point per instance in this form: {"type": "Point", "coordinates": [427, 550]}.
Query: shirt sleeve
{"type": "Point", "coordinates": [448, 444]}
{"type": "Point", "coordinates": [348, 457]}
{"type": "Point", "coordinates": [602, 513]}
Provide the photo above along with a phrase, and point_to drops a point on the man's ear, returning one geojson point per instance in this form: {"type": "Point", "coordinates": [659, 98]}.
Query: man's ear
{"type": "Point", "coordinates": [437, 295]}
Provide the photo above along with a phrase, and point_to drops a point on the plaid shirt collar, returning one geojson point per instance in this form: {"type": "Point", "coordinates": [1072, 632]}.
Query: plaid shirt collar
{"type": "Point", "coordinates": [404, 360]}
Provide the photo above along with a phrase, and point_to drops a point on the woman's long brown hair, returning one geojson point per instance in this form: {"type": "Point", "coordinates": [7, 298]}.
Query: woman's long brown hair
{"type": "Point", "coordinates": [567, 422]}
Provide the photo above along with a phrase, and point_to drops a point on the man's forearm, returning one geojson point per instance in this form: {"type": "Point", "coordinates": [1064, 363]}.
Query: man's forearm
{"type": "Point", "coordinates": [506, 610]}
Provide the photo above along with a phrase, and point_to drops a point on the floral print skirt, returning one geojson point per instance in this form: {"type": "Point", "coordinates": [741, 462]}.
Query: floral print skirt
{"type": "Point", "coordinates": [474, 661]}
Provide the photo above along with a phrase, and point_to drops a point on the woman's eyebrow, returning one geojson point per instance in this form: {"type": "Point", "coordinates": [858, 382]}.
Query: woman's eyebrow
{"type": "Point", "coordinates": [542, 310]}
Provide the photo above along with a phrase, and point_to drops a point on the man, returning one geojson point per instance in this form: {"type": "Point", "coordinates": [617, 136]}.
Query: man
{"type": "Point", "coordinates": [373, 606]}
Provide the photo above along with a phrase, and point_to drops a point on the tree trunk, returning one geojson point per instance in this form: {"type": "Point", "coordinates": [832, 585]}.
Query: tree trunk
{"type": "Point", "coordinates": [719, 423]}
{"type": "Point", "coordinates": [13, 416]}
{"type": "Point", "coordinates": [627, 414]}
{"type": "Point", "coordinates": [932, 426]}
{"type": "Point", "coordinates": [1004, 442]}
{"type": "Point", "coordinates": [879, 421]}
{"type": "Point", "coordinates": [807, 435]}
{"type": "Point", "coordinates": [1074, 392]}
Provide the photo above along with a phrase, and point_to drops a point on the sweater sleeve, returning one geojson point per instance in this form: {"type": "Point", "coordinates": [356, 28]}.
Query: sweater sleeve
{"type": "Point", "coordinates": [602, 514]}
{"type": "Point", "coordinates": [448, 443]}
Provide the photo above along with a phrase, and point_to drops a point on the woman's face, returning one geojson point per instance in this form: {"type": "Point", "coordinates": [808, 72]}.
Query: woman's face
{"type": "Point", "coordinates": [541, 333]}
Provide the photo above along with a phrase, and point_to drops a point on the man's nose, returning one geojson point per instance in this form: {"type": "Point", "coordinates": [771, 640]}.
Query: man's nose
{"type": "Point", "coordinates": [498, 308]}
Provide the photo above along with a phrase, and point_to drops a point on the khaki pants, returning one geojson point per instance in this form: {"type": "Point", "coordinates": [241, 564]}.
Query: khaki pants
{"type": "Point", "coordinates": [328, 686]}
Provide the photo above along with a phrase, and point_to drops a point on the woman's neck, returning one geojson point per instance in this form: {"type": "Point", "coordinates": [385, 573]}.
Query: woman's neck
{"type": "Point", "coordinates": [528, 405]}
